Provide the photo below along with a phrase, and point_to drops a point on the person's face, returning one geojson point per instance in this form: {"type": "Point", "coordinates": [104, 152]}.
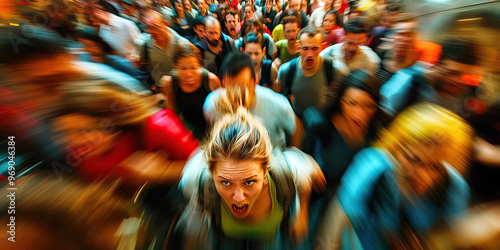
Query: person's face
{"type": "Point", "coordinates": [337, 4]}
{"type": "Point", "coordinates": [255, 52]}
{"type": "Point", "coordinates": [187, 5]}
{"type": "Point", "coordinates": [244, 79]}
{"type": "Point", "coordinates": [179, 7]}
{"type": "Point", "coordinates": [248, 13]}
{"type": "Point", "coordinates": [352, 43]}
{"type": "Point", "coordinates": [420, 168]}
{"type": "Point", "coordinates": [202, 5]}
{"type": "Point", "coordinates": [389, 17]}
{"type": "Point", "coordinates": [82, 136]}
{"type": "Point", "coordinates": [212, 33]}
{"type": "Point", "coordinates": [309, 50]}
{"type": "Point", "coordinates": [358, 107]}
{"type": "Point", "coordinates": [232, 24]}
{"type": "Point", "coordinates": [328, 22]}
{"type": "Point", "coordinates": [404, 35]}
{"type": "Point", "coordinates": [200, 31]}
{"type": "Point", "coordinates": [156, 26]}
{"type": "Point", "coordinates": [294, 5]}
{"type": "Point", "coordinates": [188, 72]}
{"type": "Point", "coordinates": [268, 4]}
{"type": "Point", "coordinates": [240, 184]}
{"type": "Point", "coordinates": [449, 76]}
{"type": "Point", "coordinates": [291, 31]}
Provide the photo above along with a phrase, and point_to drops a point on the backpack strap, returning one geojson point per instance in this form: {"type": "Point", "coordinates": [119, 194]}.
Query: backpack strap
{"type": "Point", "coordinates": [328, 64]}
{"type": "Point", "coordinates": [265, 77]}
{"type": "Point", "coordinates": [208, 197]}
{"type": "Point", "coordinates": [285, 186]}
{"type": "Point", "coordinates": [416, 82]}
{"type": "Point", "coordinates": [175, 82]}
{"type": "Point", "coordinates": [292, 67]}
{"type": "Point", "coordinates": [205, 80]}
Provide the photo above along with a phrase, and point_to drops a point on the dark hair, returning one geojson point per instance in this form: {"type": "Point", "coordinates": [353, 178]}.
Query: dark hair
{"type": "Point", "coordinates": [291, 13]}
{"type": "Point", "coordinates": [199, 20]}
{"type": "Point", "coordinates": [253, 37]}
{"type": "Point", "coordinates": [356, 25]}
{"type": "Point", "coordinates": [310, 30]}
{"type": "Point", "coordinates": [290, 19]}
{"type": "Point", "coordinates": [335, 13]}
{"type": "Point", "coordinates": [25, 42]}
{"type": "Point", "coordinates": [92, 34]}
{"type": "Point", "coordinates": [359, 79]}
{"type": "Point", "coordinates": [237, 62]}
{"type": "Point", "coordinates": [248, 24]}
{"type": "Point", "coordinates": [186, 50]}
{"type": "Point", "coordinates": [362, 80]}
{"type": "Point", "coordinates": [230, 12]}
{"type": "Point", "coordinates": [248, 5]}
{"type": "Point", "coordinates": [460, 49]}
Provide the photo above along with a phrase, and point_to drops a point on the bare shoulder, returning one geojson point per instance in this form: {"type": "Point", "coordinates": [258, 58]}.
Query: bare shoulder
{"type": "Point", "coordinates": [213, 81]}
{"type": "Point", "coordinates": [166, 82]}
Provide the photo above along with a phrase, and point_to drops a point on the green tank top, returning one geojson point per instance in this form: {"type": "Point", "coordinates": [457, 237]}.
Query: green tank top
{"type": "Point", "coordinates": [265, 231]}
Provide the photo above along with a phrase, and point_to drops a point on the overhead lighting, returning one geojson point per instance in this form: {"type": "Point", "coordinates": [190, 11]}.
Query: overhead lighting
{"type": "Point", "coordinates": [469, 19]}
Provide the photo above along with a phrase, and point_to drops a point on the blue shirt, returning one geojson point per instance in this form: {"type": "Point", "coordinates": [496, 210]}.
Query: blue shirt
{"type": "Point", "coordinates": [370, 197]}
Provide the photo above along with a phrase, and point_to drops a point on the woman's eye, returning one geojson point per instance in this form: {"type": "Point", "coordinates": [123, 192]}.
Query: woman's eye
{"type": "Point", "coordinates": [249, 183]}
{"type": "Point", "coordinates": [225, 183]}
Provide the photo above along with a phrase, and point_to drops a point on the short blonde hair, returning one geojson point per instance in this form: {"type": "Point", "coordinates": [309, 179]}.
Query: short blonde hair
{"type": "Point", "coordinates": [430, 124]}
{"type": "Point", "coordinates": [238, 136]}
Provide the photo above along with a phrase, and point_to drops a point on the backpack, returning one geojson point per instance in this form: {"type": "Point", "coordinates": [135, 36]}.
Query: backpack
{"type": "Point", "coordinates": [146, 79]}
{"type": "Point", "coordinates": [265, 77]}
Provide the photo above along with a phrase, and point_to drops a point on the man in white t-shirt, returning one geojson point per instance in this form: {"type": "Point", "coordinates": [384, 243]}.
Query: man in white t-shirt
{"type": "Point", "coordinates": [118, 32]}
{"type": "Point", "coordinates": [352, 54]}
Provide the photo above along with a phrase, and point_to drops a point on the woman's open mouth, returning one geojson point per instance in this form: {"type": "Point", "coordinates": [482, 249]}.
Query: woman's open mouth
{"type": "Point", "coordinates": [240, 209]}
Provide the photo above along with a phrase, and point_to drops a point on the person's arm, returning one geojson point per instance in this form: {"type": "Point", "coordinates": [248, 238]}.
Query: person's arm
{"type": "Point", "coordinates": [153, 167]}
{"type": "Point", "coordinates": [271, 47]}
{"type": "Point", "coordinates": [297, 137]}
{"type": "Point", "coordinates": [486, 153]}
{"type": "Point", "coordinates": [166, 87]}
{"type": "Point", "coordinates": [307, 176]}
{"type": "Point", "coordinates": [274, 73]}
{"type": "Point", "coordinates": [213, 81]}
{"type": "Point", "coordinates": [131, 53]}
{"type": "Point", "coordinates": [300, 226]}
{"type": "Point", "coordinates": [281, 79]}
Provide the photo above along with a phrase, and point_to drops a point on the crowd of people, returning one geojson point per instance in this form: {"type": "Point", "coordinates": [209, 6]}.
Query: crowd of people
{"type": "Point", "coordinates": [325, 124]}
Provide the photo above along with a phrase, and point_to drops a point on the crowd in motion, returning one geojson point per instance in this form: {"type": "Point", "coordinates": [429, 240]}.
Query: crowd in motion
{"type": "Point", "coordinates": [325, 124]}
